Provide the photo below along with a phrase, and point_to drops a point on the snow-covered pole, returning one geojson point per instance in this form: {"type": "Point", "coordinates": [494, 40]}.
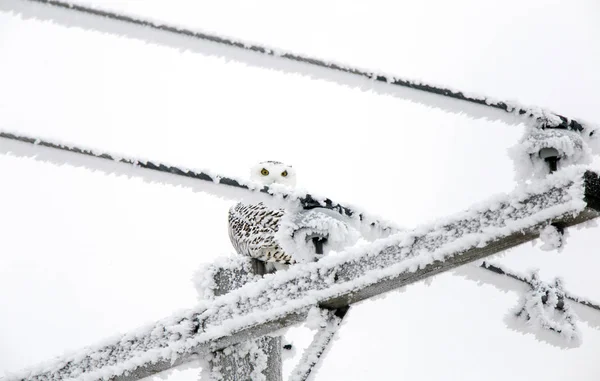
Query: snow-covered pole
{"type": "Point", "coordinates": [258, 359]}
{"type": "Point", "coordinates": [280, 300]}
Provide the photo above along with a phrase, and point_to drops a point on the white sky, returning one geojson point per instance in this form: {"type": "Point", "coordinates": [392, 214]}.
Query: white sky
{"type": "Point", "coordinates": [85, 255]}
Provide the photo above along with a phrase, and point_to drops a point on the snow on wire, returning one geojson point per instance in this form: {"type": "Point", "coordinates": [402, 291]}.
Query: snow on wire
{"type": "Point", "coordinates": [527, 279]}
{"type": "Point", "coordinates": [326, 330]}
{"type": "Point", "coordinates": [283, 299]}
{"type": "Point", "coordinates": [540, 116]}
{"type": "Point", "coordinates": [371, 227]}
{"type": "Point", "coordinates": [543, 306]}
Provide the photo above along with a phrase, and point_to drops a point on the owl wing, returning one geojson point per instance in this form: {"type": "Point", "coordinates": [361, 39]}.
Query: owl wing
{"type": "Point", "coordinates": [252, 229]}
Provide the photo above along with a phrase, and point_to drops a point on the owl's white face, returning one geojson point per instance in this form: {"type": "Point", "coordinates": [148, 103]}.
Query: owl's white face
{"type": "Point", "coordinates": [273, 172]}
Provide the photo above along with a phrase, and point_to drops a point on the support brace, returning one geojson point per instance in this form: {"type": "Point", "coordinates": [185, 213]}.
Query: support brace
{"type": "Point", "coordinates": [253, 360]}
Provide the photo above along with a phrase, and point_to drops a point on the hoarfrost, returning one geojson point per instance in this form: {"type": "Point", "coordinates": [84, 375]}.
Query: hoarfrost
{"type": "Point", "coordinates": [275, 196]}
{"type": "Point", "coordinates": [240, 360]}
{"type": "Point", "coordinates": [328, 325]}
{"type": "Point", "coordinates": [316, 318]}
{"type": "Point", "coordinates": [290, 294]}
{"type": "Point", "coordinates": [297, 229]}
{"type": "Point", "coordinates": [544, 307]}
{"type": "Point", "coordinates": [571, 147]}
{"type": "Point", "coordinates": [551, 238]}
{"type": "Point", "coordinates": [223, 275]}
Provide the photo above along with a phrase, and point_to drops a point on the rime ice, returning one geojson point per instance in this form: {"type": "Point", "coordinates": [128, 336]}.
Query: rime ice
{"type": "Point", "coordinates": [544, 307]}
{"type": "Point", "coordinates": [297, 229]}
{"type": "Point", "coordinates": [551, 238]}
{"type": "Point", "coordinates": [291, 294]}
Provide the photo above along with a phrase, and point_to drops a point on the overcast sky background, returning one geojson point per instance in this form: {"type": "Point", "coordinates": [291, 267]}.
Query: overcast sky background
{"type": "Point", "coordinates": [85, 255]}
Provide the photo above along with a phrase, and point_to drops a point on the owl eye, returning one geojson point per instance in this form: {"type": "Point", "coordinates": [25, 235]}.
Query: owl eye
{"type": "Point", "coordinates": [284, 173]}
{"type": "Point", "coordinates": [264, 172]}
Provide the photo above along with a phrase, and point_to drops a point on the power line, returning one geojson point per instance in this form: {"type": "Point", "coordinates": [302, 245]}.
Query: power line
{"type": "Point", "coordinates": [503, 271]}
{"type": "Point", "coordinates": [307, 201]}
{"type": "Point", "coordinates": [566, 123]}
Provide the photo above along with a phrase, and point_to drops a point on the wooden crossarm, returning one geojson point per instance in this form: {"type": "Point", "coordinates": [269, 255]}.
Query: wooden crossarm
{"type": "Point", "coordinates": [568, 197]}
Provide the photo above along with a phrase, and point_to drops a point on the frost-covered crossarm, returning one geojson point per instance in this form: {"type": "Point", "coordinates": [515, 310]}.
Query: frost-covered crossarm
{"type": "Point", "coordinates": [280, 300]}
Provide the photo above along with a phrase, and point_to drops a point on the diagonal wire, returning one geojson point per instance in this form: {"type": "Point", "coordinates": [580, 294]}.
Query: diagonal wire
{"type": "Point", "coordinates": [307, 201]}
{"type": "Point", "coordinates": [503, 271]}
{"type": "Point", "coordinates": [565, 122]}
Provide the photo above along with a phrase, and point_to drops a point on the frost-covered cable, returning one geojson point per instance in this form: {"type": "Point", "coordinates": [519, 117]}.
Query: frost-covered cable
{"type": "Point", "coordinates": [521, 278]}
{"type": "Point", "coordinates": [558, 122]}
{"type": "Point", "coordinates": [543, 307]}
{"type": "Point", "coordinates": [369, 226]}
{"type": "Point", "coordinates": [321, 341]}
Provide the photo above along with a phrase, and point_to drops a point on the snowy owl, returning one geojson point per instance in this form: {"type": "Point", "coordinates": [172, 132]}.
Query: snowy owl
{"type": "Point", "coordinates": [252, 227]}
{"type": "Point", "coordinates": [278, 237]}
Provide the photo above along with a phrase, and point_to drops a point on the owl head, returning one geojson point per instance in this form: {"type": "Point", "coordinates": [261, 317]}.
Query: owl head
{"type": "Point", "coordinates": [273, 172]}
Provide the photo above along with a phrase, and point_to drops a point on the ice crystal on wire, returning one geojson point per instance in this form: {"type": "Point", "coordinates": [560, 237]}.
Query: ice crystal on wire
{"type": "Point", "coordinates": [544, 307]}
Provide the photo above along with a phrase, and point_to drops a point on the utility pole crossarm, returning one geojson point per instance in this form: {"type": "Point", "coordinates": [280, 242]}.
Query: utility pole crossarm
{"type": "Point", "coordinates": [283, 299]}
